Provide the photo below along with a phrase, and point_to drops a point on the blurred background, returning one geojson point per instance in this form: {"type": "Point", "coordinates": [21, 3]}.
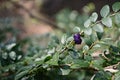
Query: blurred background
{"type": "Point", "coordinates": [34, 17]}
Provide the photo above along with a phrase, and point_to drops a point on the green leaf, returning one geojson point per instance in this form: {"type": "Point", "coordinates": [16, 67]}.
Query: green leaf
{"type": "Point", "coordinates": [24, 69]}
{"type": "Point", "coordinates": [98, 28]}
{"type": "Point", "coordinates": [116, 6]}
{"type": "Point", "coordinates": [105, 11]}
{"type": "Point", "coordinates": [98, 63]}
{"type": "Point", "coordinates": [87, 23]}
{"type": "Point", "coordinates": [117, 76]}
{"type": "Point", "coordinates": [97, 46]}
{"type": "Point", "coordinates": [79, 64]}
{"type": "Point", "coordinates": [88, 31]}
{"type": "Point", "coordinates": [65, 71]}
{"type": "Point", "coordinates": [94, 17]}
{"type": "Point", "coordinates": [5, 55]}
{"type": "Point", "coordinates": [76, 29]}
{"type": "Point", "coordinates": [88, 57]}
{"type": "Point", "coordinates": [102, 75]}
{"type": "Point", "coordinates": [12, 55]}
{"type": "Point", "coordinates": [50, 51]}
{"type": "Point", "coordinates": [39, 61]}
{"type": "Point", "coordinates": [45, 58]}
{"type": "Point", "coordinates": [63, 39]}
{"type": "Point", "coordinates": [88, 41]}
{"type": "Point", "coordinates": [85, 47]}
{"type": "Point", "coordinates": [21, 75]}
{"type": "Point", "coordinates": [93, 37]}
{"type": "Point", "coordinates": [10, 46]}
{"type": "Point", "coordinates": [117, 18]}
{"type": "Point", "coordinates": [99, 35]}
{"type": "Point", "coordinates": [74, 54]}
{"type": "Point", "coordinates": [118, 44]}
{"type": "Point", "coordinates": [107, 21]}
{"type": "Point", "coordinates": [68, 59]}
{"type": "Point", "coordinates": [70, 39]}
{"type": "Point", "coordinates": [54, 60]}
{"type": "Point", "coordinates": [114, 49]}
{"type": "Point", "coordinates": [73, 15]}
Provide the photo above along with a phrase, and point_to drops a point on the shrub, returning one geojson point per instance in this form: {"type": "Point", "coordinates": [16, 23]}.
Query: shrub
{"type": "Point", "coordinates": [93, 53]}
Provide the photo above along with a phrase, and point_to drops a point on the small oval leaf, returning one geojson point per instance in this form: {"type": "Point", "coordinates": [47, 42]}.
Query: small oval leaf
{"type": "Point", "coordinates": [116, 6]}
{"type": "Point", "coordinates": [98, 28]}
{"type": "Point", "coordinates": [65, 71]}
{"type": "Point", "coordinates": [117, 18]}
{"type": "Point", "coordinates": [88, 41]}
{"type": "Point", "coordinates": [12, 55]}
{"type": "Point", "coordinates": [107, 21]}
{"type": "Point", "coordinates": [88, 31]}
{"type": "Point", "coordinates": [76, 29]}
{"type": "Point", "coordinates": [63, 39]}
{"type": "Point", "coordinates": [94, 17]}
{"type": "Point", "coordinates": [99, 35]}
{"type": "Point", "coordinates": [87, 23]}
{"type": "Point", "coordinates": [105, 11]}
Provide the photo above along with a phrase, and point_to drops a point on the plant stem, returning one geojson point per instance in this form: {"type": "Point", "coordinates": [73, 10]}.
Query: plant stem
{"type": "Point", "coordinates": [84, 53]}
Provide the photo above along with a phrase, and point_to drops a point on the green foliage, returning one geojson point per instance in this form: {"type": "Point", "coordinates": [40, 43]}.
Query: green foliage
{"type": "Point", "coordinates": [62, 59]}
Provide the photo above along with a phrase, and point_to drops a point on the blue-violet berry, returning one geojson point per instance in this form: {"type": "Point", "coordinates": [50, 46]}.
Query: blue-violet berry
{"type": "Point", "coordinates": [77, 38]}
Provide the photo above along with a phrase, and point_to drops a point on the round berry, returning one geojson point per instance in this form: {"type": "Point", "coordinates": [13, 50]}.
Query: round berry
{"type": "Point", "coordinates": [77, 38]}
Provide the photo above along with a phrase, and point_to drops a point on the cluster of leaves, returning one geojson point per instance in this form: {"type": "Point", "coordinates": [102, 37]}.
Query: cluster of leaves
{"type": "Point", "coordinates": [10, 52]}
{"type": "Point", "coordinates": [63, 59]}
